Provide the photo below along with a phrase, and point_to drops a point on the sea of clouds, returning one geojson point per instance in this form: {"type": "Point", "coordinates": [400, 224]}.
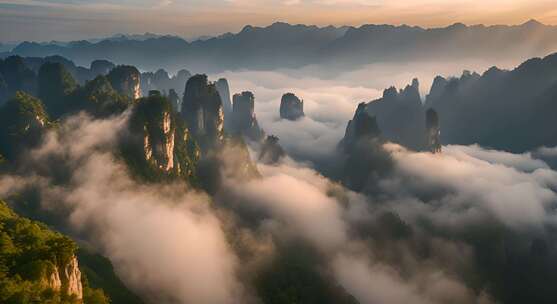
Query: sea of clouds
{"type": "Point", "coordinates": [174, 244]}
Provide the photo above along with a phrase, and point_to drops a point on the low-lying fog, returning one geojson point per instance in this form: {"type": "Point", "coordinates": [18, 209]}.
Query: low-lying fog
{"type": "Point", "coordinates": [330, 98]}
{"type": "Point", "coordinates": [172, 245]}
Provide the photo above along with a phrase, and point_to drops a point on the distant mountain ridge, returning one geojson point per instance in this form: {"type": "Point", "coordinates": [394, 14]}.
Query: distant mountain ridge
{"type": "Point", "coordinates": [282, 45]}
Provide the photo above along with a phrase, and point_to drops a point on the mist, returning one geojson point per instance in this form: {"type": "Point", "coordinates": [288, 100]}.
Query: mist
{"type": "Point", "coordinates": [413, 240]}
{"type": "Point", "coordinates": [164, 240]}
{"type": "Point", "coordinates": [331, 97]}
{"type": "Point", "coordinates": [171, 244]}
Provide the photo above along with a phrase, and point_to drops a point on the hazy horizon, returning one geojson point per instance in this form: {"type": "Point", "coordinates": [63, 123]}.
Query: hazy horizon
{"type": "Point", "coordinates": [66, 20]}
{"type": "Point", "coordinates": [194, 38]}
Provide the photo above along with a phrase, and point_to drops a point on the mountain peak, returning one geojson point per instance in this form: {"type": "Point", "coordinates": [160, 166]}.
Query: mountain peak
{"type": "Point", "coordinates": [279, 23]}
{"type": "Point", "coordinates": [458, 25]}
{"type": "Point", "coordinates": [533, 23]}
{"type": "Point", "coordinates": [247, 28]}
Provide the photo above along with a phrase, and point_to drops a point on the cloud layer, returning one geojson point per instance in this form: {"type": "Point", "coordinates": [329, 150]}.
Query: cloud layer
{"type": "Point", "coordinates": [164, 240]}
{"type": "Point", "coordinates": [417, 239]}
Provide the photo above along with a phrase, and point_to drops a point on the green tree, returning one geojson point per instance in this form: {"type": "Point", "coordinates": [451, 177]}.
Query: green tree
{"type": "Point", "coordinates": [55, 84]}
{"type": "Point", "coordinates": [23, 120]}
{"type": "Point", "coordinates": [29, 253]}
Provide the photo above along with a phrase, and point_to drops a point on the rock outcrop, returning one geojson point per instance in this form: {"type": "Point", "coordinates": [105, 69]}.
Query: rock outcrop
{"type": "Point", "coordinates": [66, 279]}
{"type": "Point", "coordinates": [224, 91]}
{"type": "Point", "coordinates": [125, 80]}
{"type": "Point", "coordinates": [400, 115]}
{"type": "Point", "coordinates": [291, 107]}
{"type": "Point", "coordinates": [501, 109]}
{"type": "Point", "coordinates": [437, 88]}
{"type": "Point", "coordinates": [161, 80]}
{"type": "Point", "coordinates": [243, 117]}
{"type": "Point", "coordinates": [202, 110]}
{"type": "Point", "coordinates": [365, 160]}
{"type": "Point", "coordinates": [433, 131]}
{"type": "Point", "coordinates": [160, 145]}
{"type": "Point", "coordinates": [174, 100]}
{"type": "Point", "coordinates": [177, 81]}
{"type": "Point", "coordinates": [362, 126]}
{"type": "Point", "coordinates": [271, 151]}
{"type": "Point", "coordinates": [101, 67]}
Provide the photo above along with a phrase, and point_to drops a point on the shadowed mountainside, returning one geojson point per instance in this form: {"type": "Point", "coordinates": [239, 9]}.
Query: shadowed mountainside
{"type": "Point", "coordinates": [282, 45]}
{"type": "Point", "coordinates": [505, 110]}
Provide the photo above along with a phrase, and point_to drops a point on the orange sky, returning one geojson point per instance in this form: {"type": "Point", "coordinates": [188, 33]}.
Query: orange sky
{"type": "Point", "coordinates": [77, 19]}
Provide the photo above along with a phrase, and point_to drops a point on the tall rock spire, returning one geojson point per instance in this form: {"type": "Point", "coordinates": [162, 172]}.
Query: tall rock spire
{"type": "Point", "coordinates": [244, 121]}
{"type": "Point", "coordinates": [202, 110]}
{"type": "Point", "coordinates": [291, 107]}
{"type": "Point", "coordinates": [126, 80]}
{"type": "Point", "coordinates": [224, 91]}
{"type": "Point", "coordinates": [362, 126]}
{"type": "Point", "coordinates": [433, 131]}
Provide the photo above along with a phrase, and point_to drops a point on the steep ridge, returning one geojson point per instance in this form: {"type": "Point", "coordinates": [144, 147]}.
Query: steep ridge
{"type": "Point", "coordinates": [401, 116]}
{"type": "Point", "coordinates": [244, 121]}
{"type": "Point", "coordinates": [505, 110]}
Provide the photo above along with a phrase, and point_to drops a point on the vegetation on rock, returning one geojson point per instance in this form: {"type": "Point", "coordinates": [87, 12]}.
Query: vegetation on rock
{"type": "Point", "coordinates": [23, 120]}
{"type": "Point", "coordinates": [29, 254]}
{"type": "Point", "coordinates": [55, 84]}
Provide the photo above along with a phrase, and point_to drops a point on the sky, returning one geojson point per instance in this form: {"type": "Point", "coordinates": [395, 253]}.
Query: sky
{"type": "Point", "coordinates": [64, 20]}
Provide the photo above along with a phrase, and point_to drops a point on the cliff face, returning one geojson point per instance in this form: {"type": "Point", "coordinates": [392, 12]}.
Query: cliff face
{"type": "Point", "coordinates": [101, 67]}
{"type": "Point", "coordinates": [433, 131]}
{"type": "Point", "coordinates": [126, 80]}
{"type": "Point", "coordinates": [400, 116]}
{"type": "Point", "coordinates": [39, 264]}
{"type": "Point", "coordinates": [243, 117]}
{"type": "Point", "coordinates": [291, 107]}
{"type": "Point", "coordinates": [437, 88]}
{"type": "Point", "coordinates": [174, 100]}
{"type": "Point", "coordinates": [160, 145]}
{"type": "Point", "coordinates": [66, 279]}
{"type": "Point", "coordinates": [365, 160]}
{"type": "Point", "coordinates": [203, 112]}
{"type": "Point", "coordinates": [224, 92]}
{"type": "Point", "coordinates": [505, 110]}
{"type": "Point", "coordinates": [158, 142]}
{"type": "Point", "coordinates": [362, 126]}
{"type": "Point", "coordinates": [271, 152]}
{"type": "Point", "coordinates": [162, 81]}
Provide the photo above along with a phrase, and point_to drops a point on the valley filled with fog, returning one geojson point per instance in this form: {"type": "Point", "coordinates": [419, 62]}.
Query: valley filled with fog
{"type": "Point", "coordinates": [331, 97]}
{"type": "Point", "coordinates": [137, 180]}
